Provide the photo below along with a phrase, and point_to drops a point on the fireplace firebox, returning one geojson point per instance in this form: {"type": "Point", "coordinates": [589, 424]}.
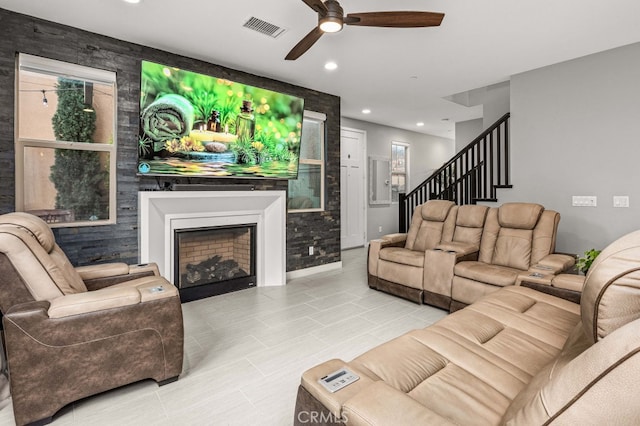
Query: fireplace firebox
{"type": "Point", "coordinates": [214, 260]}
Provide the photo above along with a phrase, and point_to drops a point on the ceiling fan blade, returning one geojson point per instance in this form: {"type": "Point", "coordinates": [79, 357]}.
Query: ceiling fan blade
{"type": "Point", "coordinates": [395, 19]}
{"type": "Point", "coordinates": [316, 5]}
{"type": "Point", "coordinates": [304, 44]}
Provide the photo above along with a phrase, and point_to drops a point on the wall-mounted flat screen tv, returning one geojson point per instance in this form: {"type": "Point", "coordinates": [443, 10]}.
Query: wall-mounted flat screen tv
{"type": "Point", "coordinates": [196, 125]}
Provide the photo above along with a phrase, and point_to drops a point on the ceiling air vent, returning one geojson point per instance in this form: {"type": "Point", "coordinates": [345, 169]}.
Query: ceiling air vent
{"type": "Point", "coordinates": [263, 27]}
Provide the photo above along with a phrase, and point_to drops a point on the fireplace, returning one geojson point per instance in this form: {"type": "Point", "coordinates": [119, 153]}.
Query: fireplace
{"type": "Point", "coordinates": [162, 213]}
{"type": "Point", "coordinates": [214, 260]}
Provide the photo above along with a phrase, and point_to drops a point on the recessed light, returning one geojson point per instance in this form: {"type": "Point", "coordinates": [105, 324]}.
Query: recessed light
{"type": "Point", "coordinates": [330, 66]}
{"type": "Point", "coordinates": [366, 111]}
{"type": "Point", "coordinates": [420, 124]}
{"type": "Point", "coordinates": [132, 1]}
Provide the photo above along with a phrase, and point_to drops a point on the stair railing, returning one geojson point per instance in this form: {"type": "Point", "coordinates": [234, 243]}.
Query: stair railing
{"type": "Point", "coordinates": [472, 175]}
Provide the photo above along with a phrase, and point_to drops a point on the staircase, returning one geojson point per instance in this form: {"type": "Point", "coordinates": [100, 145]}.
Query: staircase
{"type": "Point", "coordinates": [473, 174]}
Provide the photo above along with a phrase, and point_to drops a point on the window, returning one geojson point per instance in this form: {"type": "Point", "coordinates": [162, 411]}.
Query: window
{"type": "Point", "coordinates": [307, 192]}
{"type": "Point", "coordinates": [65, 142]}
{"type": "Point", "coordinates": [399, 169]}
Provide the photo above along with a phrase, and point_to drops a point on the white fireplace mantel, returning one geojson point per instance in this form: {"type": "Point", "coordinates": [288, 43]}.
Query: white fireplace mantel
{"type": "Point", "coordinates": [160, 213]}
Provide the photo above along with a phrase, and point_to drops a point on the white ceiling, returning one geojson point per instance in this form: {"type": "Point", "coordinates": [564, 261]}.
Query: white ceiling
{"type": "Point", "coordinates": [402, 75]}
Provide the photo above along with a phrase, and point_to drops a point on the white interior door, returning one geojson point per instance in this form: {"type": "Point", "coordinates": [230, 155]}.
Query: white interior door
{"type": "Point", "coordinates": [352, 188]}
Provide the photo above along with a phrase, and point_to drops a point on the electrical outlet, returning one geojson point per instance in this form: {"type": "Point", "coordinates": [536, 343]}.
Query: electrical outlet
{"type": "Point", "coordinates": [620, 201]}
{"type": "Point", "coordinates": [584, 201]}
{"type": "Point", "coordinates": [379, 228]}
{"type": "Point", "coordinates": [310, 250]}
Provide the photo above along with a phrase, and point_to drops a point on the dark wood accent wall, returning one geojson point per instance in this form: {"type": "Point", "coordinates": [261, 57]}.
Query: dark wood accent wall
{"type": "Point", "coordinates": [119, 242]}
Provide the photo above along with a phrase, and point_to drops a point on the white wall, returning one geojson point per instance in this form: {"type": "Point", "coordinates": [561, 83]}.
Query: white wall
{"type": "Point", "coordinates": [467, 131]}
{"type": "Point", "coordinates": [426, 153]}
{"type": "Point", "coordinates": [575, 130]}
{"type": "Point", "coordinates": [495, 103]}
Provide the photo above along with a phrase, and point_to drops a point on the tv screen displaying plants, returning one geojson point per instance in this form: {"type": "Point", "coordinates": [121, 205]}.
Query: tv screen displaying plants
{"type": "Point", "coordinates": [197, 125]}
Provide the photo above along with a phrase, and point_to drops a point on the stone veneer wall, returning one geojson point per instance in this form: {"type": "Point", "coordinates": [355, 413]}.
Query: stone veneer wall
{"type": "Point", "coordinates": [119, 242]}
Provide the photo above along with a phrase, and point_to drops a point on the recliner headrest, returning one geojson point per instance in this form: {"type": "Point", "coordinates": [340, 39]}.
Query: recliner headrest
{"type": "Point", "coordinates": [471, 216]}
{"type": "Point", "coordinates": [519, 215]}
{"type": "Point", "coordinates": [436, 210]}
{"type": "Point", "coordinates": [36, 226]}
{"type": "Point", "coordinates": [611, 292]}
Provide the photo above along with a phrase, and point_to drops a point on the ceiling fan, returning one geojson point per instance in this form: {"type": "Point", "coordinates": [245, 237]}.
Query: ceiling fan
{"type": "Point", "coordinates": [331, 18]}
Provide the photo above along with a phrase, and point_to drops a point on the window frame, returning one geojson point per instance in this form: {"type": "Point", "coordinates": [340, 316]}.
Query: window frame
{"type": "Point", "coordinates": [52, 67]}
{"type": "Point", "coordinates": [321, 119]}
{"type": "Point", "coordinates": [406, 147]}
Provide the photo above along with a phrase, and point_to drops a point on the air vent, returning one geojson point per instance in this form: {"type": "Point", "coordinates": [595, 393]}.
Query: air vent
{"type": "Point", "coordinates": [263, 27]}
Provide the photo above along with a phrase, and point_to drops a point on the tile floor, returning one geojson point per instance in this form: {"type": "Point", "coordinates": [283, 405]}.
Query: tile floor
{"type": "Point", "coordinates": [245, 351]}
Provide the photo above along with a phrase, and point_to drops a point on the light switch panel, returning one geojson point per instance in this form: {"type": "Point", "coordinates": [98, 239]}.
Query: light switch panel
{"type": "Point", "coordinates": [584, 201]}
{"type": "Point", "coordinates": [620, 201]}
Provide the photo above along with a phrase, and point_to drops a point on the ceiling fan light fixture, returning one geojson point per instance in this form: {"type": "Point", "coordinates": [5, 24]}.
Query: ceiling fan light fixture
{"type": "Point", "coordinates": [332, 20]}
{"type": "Point", "coordinates": [330, 25]}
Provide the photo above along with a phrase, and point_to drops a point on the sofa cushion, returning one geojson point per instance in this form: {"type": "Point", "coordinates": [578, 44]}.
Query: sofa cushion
{"type": "Point", "coordinates": [51, 257]}
{"type": "Point", "coordinates": [478, 358]}
{"type": "Point", "coordinates": [432, 222]}
{"type": "Point", "coordinates": [611, 289]}
{"type": "Point", "coordinates": [403, 274]}
{"type": "Point", "coordinates": [436, 210]}
{"type": "Point", "coordinates": [519, 215]}
{"type": "Point", "coordinates": [486, 273]}
{"type": "Point", "coordinates": [544, 236]}
{"type": "Point", "coordinates": [370, 407]}
{"type": "Point", "coordinates": [585, 384]}
{"type": "Point", "coordinates": [469, 224]}
{"type": "Point", "coordinates": [471, 216]}
{"type": "Point", "coordinates": [72, 282]}
{"type": "Point", "coordinates": [34, 225]}
{"type": "Point", "coordinates": [39, 277]}
{"type": "Point", "coordinates": [403, 256]}
{"type": "Point", "coordinates": [513, 248]}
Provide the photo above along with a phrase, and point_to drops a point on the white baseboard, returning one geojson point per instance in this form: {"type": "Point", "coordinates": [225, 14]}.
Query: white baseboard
{"type": "Point", "coordinates": [314, 270]}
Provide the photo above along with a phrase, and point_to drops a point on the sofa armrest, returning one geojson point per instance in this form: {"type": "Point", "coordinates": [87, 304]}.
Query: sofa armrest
{"type": "Point", "coordinates": [96, 277]}
{"type": "Point", "coordinates": [109, 298]}
{"type": "Point", "coordinates": [32, 319]}
{"type": "Point", "coordinates": [371, 406]}
{"type": "Point", "coordinates": [569, 282]}
{"type": "Point", "coordinates": [144, 268]}
{"type": "Point", "coordinates": [565, 286]}
{"type": "Point", "coordinates": [554, 263]}
{"type": "Point", "coordinates": [398, 239]}
{"type": "Point", "coordinates": [91, 272]}
{"type": "Point", "coordinates": [27, 309]}
{"type": "Point", "coordinates": [465, 250]}
{"type": "Point", "coordinates": [92, 301]}
{"type": "Point", "coordinates": [333, 401]}
{"type": "Point", "coordinates": [390, 240]}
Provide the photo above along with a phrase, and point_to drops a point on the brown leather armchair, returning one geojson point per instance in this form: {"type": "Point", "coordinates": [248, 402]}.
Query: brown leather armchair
{"type": "Point", "coordinates": [75, 332]}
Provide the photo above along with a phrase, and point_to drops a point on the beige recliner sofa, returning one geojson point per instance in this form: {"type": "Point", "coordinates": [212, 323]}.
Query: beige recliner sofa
{"type": "Point", "coordinates": [397, 262]}
{"type": "Point", "coordinates": [515, 357]}
{"type": "Point", "coordinates": [518, 240]}
{"type": "Point", "coordinates": [74, 332]}
{"type": "Point", "coordinates": [453, 255]}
